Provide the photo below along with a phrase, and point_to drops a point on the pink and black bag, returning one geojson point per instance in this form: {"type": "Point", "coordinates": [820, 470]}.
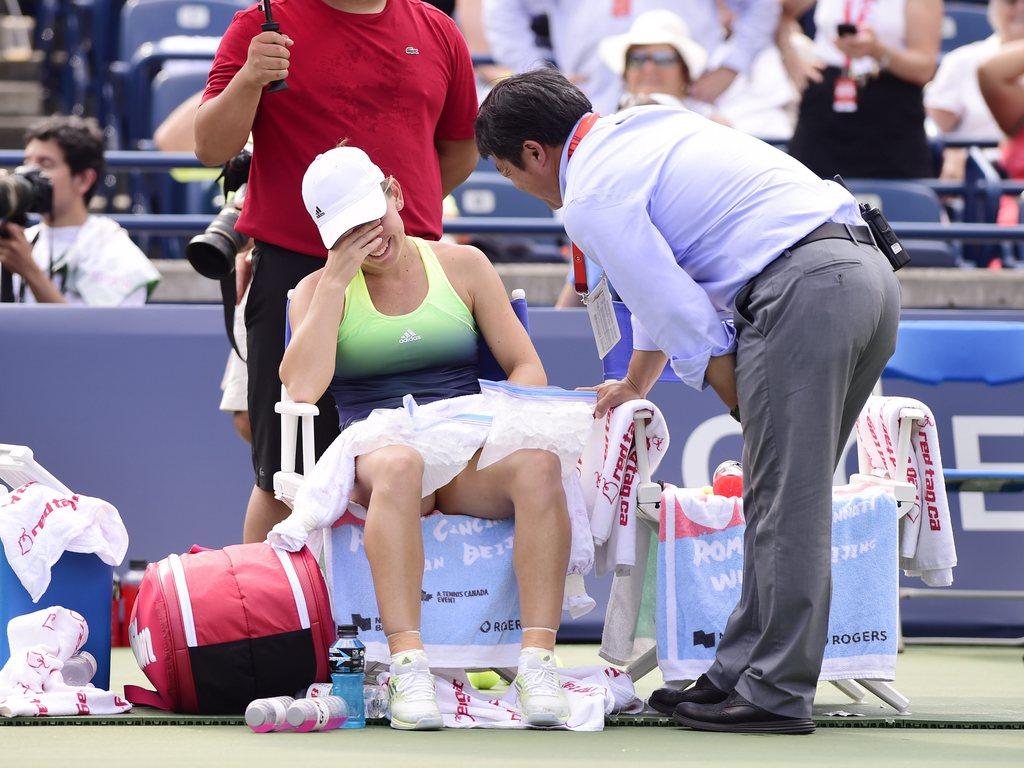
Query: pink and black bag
{"type": "Point", "coordinates": [215, 629]}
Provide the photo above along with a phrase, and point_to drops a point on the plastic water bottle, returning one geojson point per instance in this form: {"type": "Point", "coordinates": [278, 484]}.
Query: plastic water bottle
{"type": "Point", "coordinates": [79, 670]}
{"type": "Point", "coordinates": [728, 479]}
{"type": "Point", "coordinates": [346, 661]}
{"type": "Point", "coordinates": [322, 714]}
{"type": "Point", "coordinates": [315, 691]}
{"type": "Point", "coordinates": [375, 702]}
{"type": "Point", "coordinates": [266, 715]}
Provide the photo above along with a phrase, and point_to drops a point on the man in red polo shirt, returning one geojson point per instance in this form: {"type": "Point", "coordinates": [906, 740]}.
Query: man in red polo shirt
{"type": "Point", "coordinates": [394, 78]}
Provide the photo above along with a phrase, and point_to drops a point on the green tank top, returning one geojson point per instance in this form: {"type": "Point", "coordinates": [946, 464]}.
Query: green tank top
{"type": "Point", "coordinates": [430, 353]}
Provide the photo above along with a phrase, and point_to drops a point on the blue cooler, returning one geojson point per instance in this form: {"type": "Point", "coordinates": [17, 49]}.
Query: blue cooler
{"type": "Point", "coordinates": [79, 582]}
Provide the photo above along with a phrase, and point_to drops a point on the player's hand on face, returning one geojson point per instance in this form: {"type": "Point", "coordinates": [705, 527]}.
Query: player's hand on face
{"type": "Point", "coordinates": [355, 246]}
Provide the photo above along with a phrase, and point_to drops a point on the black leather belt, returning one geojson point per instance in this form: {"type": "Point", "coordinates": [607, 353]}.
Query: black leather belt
{"type": "Point", "coordinates": [832, 231]}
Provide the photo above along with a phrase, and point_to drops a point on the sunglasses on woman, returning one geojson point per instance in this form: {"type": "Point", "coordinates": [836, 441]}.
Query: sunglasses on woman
{"type": "Point", "coordinates": [658, 58]}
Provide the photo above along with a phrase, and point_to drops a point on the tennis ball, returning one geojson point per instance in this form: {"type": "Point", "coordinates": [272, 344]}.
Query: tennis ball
{"type": "Point", "coordinates": [483, 681]}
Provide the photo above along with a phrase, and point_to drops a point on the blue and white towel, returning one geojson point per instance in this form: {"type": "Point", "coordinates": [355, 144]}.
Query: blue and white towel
{"type": "Point", "coordinates": [700, 573]}
{"type": "Point", "coordinates": [470, 598]}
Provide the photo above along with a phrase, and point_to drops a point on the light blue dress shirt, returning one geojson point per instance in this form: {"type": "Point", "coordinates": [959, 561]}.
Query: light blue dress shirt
{"type": "Point", "coordinates": [681, 213]}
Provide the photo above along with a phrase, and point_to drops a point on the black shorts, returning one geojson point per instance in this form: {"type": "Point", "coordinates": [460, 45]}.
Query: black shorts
{"type": "Point", "coordinates": [275, 271]}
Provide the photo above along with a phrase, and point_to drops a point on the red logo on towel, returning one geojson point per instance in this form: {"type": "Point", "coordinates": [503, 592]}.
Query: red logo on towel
{"type": "Point", "coordinates": [48, 624]}
{"type": "Point", "coordinates": [463, 699]}
{"type": "Point", "coordinates": [25, 542]}
{"type": "Point", "coordinates": [27, 539]}
{"type": "Point", "coordinates": [83, 703]}
{"type": "Point", "coordinates": [929, 482]}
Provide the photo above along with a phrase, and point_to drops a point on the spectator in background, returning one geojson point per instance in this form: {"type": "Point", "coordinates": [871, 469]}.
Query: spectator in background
{"type": "Point", "coordinates": [658, 56]}
{"type": "Point", "coordinates": [1001, 79]}
{"type": "Point", "coordinates": [578, 26]}
{"type": "Point", "coordinates": [953, 98]}
{"type": "Point", "coordinates": [470, 16]}
{"type": "Point", "coordinates": [864, 116]}
{"type": "Point", "coordinates": [73, 257]}
{"type": "Point", "coordinates": [395, 78]}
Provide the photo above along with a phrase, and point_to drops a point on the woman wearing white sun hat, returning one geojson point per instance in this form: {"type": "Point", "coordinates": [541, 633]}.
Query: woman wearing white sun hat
{"type": "Point", "coordinates": [391, 315]}
{"type": "Point", "coordinates": [659, 61]}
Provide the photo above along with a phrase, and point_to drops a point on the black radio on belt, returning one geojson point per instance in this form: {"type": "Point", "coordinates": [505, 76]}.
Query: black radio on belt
{"type": "Point", "coordinates": [885, 238]}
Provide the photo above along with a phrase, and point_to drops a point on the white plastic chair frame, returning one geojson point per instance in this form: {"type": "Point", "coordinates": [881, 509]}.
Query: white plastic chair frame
{"type": "Point", "coordinates": [18, 467]}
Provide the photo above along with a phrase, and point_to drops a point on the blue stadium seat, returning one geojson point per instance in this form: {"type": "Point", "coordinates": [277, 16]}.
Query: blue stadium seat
{"type": "Point", "coordinates": [173, 85]}
{"type": "Point", "coordinates": [190, 29]}
{"type": "Point", "coordinates": [908, 201]}
{"type": "Point", "coordinates": [491, 194]}
{"type": "Point", "coordinates": [146, 21]}
{"type": "Point", "coordinates": [487, 194]}
{"type": "Point", "coordinates": [964, 23]}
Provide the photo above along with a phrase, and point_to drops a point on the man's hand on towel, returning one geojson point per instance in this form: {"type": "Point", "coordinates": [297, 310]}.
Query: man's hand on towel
{"type": "Point", "coordinates": [645, 366]}
{"type": "Point", "coordinates": [611, 394]}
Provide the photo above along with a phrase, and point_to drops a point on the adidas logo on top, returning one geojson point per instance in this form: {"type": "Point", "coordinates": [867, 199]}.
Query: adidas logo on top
{"type": "Point", "coordinates": [409, 335]}
{"type": "Point", "coordinates": [318, 213]}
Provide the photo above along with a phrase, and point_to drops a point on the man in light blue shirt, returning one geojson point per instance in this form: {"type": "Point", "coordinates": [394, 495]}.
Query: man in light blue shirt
{"type": "Point", "coordinates": [749, 274]}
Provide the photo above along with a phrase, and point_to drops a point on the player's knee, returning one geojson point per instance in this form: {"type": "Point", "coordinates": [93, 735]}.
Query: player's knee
{"type": "Point", "coordinates": [535, 472]}
{"type": "Point", "coordinates": [394, 467]}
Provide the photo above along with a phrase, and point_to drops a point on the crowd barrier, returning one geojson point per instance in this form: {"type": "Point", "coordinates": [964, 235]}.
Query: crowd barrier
{"type": "Point", "coordinates": [122, 404]}
{"type": "Point", "coordinates": [980, 192]}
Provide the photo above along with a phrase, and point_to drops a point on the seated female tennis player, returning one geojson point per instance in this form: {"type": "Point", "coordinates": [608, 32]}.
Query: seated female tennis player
{"type": "Point", "coordinates": [390, 315]}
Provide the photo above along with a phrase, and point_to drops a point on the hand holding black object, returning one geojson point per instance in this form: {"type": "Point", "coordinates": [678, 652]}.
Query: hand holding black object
{"type": "Point", "coordinates": [272, 26]}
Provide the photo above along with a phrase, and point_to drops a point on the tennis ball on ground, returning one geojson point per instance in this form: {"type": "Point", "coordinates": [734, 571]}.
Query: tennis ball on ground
{"type": "Point", "coordinates": [483, 681]}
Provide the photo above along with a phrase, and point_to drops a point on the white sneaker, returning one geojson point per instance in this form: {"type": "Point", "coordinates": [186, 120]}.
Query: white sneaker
{"type": "Point", "coordinates": [541, 698]}
{"type": "Point", "coordinates": [411, 691]}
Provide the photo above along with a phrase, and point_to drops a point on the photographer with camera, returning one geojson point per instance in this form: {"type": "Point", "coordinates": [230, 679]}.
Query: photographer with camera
{"type": "Point", "coordinates": [71, 257]}
{"type": "Point", "coordinates": [395, 78]}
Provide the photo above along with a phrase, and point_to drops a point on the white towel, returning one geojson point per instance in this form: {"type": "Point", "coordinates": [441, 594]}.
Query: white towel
{"type": "Point", "coordinates": [927, 549]}
{"type": "Point", "coordinates": [608, 474]}
{"type": "Point", "coordinates": [593, 692]}
{"type": "Point", "coordinates": [31, 682]}
{"type": "Point", "coordinates": [39, 524]}
{"type": "Point", "coordinates": [447, 433]}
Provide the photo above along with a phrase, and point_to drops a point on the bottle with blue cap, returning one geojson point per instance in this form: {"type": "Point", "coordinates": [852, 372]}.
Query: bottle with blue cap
{"type": "Point", "coordinates": [346, 660]}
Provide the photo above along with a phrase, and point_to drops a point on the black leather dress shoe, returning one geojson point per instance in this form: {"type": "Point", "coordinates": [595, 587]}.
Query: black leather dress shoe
{"type": "Point", "coordinates": [665, 700]}
{"type": "Point", "coordinates": [737, 715]}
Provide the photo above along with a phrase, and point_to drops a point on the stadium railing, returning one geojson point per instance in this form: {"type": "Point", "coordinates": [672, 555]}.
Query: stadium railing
{"type": "Point", "coordinates": [186, 224]}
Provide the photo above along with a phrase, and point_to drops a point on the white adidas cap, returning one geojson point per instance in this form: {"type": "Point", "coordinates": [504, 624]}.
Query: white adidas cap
{"type": "Point", "coordinates": [341, 190]}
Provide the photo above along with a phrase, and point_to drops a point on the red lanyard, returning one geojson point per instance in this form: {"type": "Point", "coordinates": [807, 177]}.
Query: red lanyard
{"type": "Point", "coordinates": [579, 263]}
{"type": "Point", "coordinates": [865, 9]}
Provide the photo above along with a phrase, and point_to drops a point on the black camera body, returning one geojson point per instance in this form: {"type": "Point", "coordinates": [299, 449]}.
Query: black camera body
{"type": "Point", "coordinates": [25, 191]}
{"type": "Point", "coordinates": [212, 253]}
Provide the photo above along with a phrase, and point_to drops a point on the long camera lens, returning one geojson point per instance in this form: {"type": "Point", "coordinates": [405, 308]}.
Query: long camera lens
{"type": "Point", "coordinates": [212, 254]}
{"type": "Point", "coordinates": [24, 191]}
